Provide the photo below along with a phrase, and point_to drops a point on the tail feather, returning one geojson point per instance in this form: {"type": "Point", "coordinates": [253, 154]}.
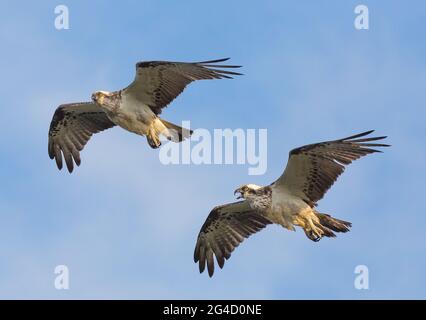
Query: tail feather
{"type": "Point", "coordinates": [175, 132]}
{"type": "Point", "coordinates": [334, 224]}
{"type": "Point", "coordinates": [167, 129]}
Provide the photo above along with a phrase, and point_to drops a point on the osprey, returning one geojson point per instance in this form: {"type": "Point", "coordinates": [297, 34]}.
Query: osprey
{"type": "Point", "coordinates": [135, 108]}
{"type": "Point", "coordinates": [290, 201]}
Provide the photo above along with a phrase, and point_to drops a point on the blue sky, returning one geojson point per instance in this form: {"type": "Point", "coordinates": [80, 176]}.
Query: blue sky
{"type": "Point", "coordinates": [126, 225]}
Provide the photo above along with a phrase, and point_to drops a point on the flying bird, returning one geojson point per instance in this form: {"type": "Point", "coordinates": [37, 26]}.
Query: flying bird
{"type": "Point", "coordinates": [289, 201]}
{"type": "Point", "coordinates": [135, 108]}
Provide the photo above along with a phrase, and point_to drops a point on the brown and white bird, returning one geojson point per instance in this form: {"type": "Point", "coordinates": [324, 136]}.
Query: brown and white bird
{"type": "Point", "coordinates": [135, 108]}
{"type": "Point", "coordinates": [290, 201]}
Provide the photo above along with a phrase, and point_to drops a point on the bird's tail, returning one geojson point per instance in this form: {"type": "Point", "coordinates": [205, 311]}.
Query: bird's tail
{"type": "Point", "coordinates": [171, 131]}
{"type": "Point", "coordinates": [174, 132]}
{"type": "Point", "coordinates": [328, 224]}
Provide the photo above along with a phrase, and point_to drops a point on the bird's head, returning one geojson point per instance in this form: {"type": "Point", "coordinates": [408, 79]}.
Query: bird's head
{"type": "Point", "coordinates": [246, 191]}
{"type": "Point", "coordinates": [99, 96]}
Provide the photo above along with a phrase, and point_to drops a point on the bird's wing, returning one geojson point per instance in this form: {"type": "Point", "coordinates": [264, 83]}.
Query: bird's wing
{"type": "Point", "coordinates": [158, 83]}
{"type": "Point", "coordinates": [71, 127]}
{"type": "Point", "coordinates": [225, 228]}
{"type": "Point", "coordinates": [312, 169]}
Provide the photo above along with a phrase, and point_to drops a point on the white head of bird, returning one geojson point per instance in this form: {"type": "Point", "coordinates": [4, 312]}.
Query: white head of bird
{"type": "Point", "coordinates": [247, 191]}
{"type": "Point", "coordinates": [99, 96]}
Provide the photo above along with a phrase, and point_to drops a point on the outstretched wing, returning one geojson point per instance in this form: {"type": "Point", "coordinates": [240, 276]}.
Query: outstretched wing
{"type": "Point", "coordinates": [225, 228]}
{"type": "Point", "coordinates": [158, 83]}
{"type": "Point", "coordinates": [71, 127]}
{"type": "Point", "coordinates": [312, 169]}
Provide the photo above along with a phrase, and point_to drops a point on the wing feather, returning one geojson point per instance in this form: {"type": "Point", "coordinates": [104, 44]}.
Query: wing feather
{"type": "Point", "coordinates": [157, 83]}
{"type": "Point", "coordinates": [224, 229]}
{"type": "Point", "coordinates": [71, 127]}
{"type": "Point", "coordinates": [312, 169]}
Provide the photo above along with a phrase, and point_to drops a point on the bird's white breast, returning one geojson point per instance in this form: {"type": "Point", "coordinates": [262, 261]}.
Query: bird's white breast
{"type": "Point", "coordinates": [285, 206]}
{"type": "Point", "coordinates": [133, 115]}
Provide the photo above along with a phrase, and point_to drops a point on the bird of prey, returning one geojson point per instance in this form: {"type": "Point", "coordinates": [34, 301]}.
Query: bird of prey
{"type": "Point", "coordinates": [289, 201]}
{"type": "Point", "coordinates": [135, 108]}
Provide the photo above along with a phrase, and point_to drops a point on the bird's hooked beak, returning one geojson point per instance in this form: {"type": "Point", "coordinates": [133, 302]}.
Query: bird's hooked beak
{"type": "Point", "coordinates": [240, 196]}
{"type": "Point", "coordinates": [97, 97]}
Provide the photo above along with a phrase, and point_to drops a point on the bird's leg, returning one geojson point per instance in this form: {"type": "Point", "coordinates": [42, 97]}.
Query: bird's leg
{"type": "Point", "coordinates": [312, 231]}
{"type": "Point", "coordinates": [153, 138]}
{"type": "Point", "coordinates": [307, 220]}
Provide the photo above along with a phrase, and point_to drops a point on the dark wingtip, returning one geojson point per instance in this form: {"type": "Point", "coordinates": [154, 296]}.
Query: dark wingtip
{"type": "Point", "coordinates": [221, 262]}
{"type": "Point", "coordinates": [368, 132]}
{"type": "Point", "coordinates": [50, 151]}
{"type": "Point", "coordinates": [58, 164]}
{"type": "Point", "coordinates": [70, 168]}
{"type": "Point", "coordinates": [382, 145]}
{"type": "Point", "coordinates": [196, 258]}
{"type": "Point", "coordinates": [214, 61]}
{"type": "Point", "coordinates": [358, 135]}
{"type": "Point", "coordinates": [236, 74]}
